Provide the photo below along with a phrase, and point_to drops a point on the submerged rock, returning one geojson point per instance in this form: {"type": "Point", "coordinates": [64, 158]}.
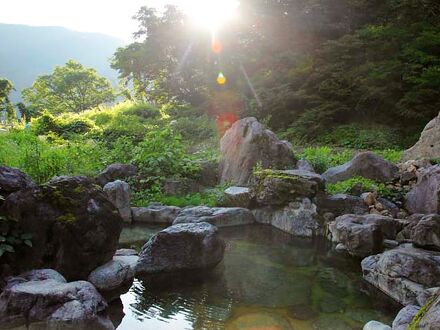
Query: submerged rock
{"type": "Point", "coordinates": [155, 214]}
{"type": "Point", "coordinates": [52, 304]}
{"type": "Point", "coordinates": [247, 143]}
{"type": "Point", "coordinates": [424, 197]}
{"type": "Point", "coordinates": [118, 192]}
{"type": "Point", "coordinates": [74, 227]}
{"type": "Point", "coordinates": [428, 145]}
{"type": "Point", "coordinates": [116, 172]}
{"type": "Point", "coordinates": [260, 320]}
{"type": "Point", "coordinates": [182, 247]}
{"type": "Point", "coordinates": [365, 164]}
{"type": "Point", "coordinates": [217, 216]}
{"type": "Point", "coordinates": [404, 273]}
{"type": "Point", "coordinates": [298, 218]}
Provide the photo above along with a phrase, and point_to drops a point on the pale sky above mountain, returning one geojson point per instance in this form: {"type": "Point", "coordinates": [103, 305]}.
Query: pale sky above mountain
{"type": "Point", "coordinates": [112, 17]}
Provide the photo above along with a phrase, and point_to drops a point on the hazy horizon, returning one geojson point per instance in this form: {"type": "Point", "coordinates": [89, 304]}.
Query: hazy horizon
{"type": "Point", "coordinates": [110, 17]}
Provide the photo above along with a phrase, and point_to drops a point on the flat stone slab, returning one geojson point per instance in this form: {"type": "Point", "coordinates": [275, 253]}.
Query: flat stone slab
{"type": "Point", "coordinates": [217, 216]}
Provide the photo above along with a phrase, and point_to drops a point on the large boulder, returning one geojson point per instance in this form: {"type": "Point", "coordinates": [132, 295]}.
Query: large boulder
{"type": "Point", "coordinates": [115, 172]}
{"type": "Point", "coordinates": [298, 218]}
{"type": "Point", "coordinates": [363, 235]}
{"type": "Point", "coordinates": [341, 204]}
{"type": "Point", "coordinates": [431, 317]}
{"type": "Point", "coordinates": [74, 227]}
{"type": "Point", "coordinates": [12, 180]}
{"type": "Point", "coordinates": [404, 273]}
{"type": "Point", "coordinates": [217, 216]}
{"type": "Point", "coordinates": [118, 192]}
{"type": "Point", "coordinates": [182, 247]}
{"type": "Point", "coordinates": [278, 187]}
{"type": "Point", "coordinates": [365, 164]}
{"type": "Point", "coordinates": [248, 143]}
{"type": "Point", "coordinates": [43, 300]}
{"type": "Point", "coordinates": [426, 233]}
{"type": "Point", "coordinates": [424, 197]}
{"type": "Point", "coordinates": [155, 214]}
{"type": "Point", "coordinates": [404, 317]}
{"type": "Point", "coordinates": [428, 145]}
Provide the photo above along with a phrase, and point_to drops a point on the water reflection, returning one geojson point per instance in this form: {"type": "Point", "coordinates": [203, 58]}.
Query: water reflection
{"type": "Point", "coordinates": [267, 280]}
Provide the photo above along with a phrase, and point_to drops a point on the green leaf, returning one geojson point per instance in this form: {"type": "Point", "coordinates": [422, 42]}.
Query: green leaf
{"type": "Point", "coordinates": [28, 243]}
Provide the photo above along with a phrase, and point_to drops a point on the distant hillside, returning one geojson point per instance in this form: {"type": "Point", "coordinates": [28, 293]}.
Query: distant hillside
{"type": "Point", "coordinates": [28, 51]}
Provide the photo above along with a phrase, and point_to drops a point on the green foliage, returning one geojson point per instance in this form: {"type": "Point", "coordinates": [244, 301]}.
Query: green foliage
{"type": "Point", "coordinates": [71, 87]}
{"type": "Point", "coordinates": [62, 125]}
{"type": "Point", "coordinates": [12, 237]}
{"type": "Point", "coordinates": [359, 184]}
{"type": "Point", "coordinates": [42, 157]}
{"type": "Point", "coordinates": [322, 158]}
{"type": "Point", "coordinates": [162, 154]}
{"type": "Point", "coordinates": [360, 137]}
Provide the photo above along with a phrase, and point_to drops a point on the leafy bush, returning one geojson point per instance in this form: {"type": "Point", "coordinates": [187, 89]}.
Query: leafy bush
{"type": "Point", "coordinates": [361, 137]}
{"type": "Point", "coordinates": [358, 183]}
{"type": "Point", "coordinates": [391, 155]}
{"type": "Point", "coordinates": [322, 158]}
{"type": "Point", "coordinates": [42, 158]}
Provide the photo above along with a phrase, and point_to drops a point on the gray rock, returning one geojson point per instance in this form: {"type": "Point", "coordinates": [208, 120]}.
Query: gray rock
{"type": "Point", "coordinates": [128, 256]}
{"type": "Point", "coordinates": [298, 218]}
{"type": "Point", "coordinates": [304, 165]}
{"type": "Point", "coordinates": [426, 233]}
{"type": "Point", "coordinates": [182, 247]}
{"type": "Point", "coordinates": [404, 317]}
{"type": "Point", "coordinates": [113, 278]}
{"type": "Point", "coordinates": [363, 235]}
{"type": "Point", "coordinates": [341, 204]}
{"type": "Point", "coordinates": [365, 164]}
{"type": "Point", "coordinates": [118, 192]}
{"type": "Point", "coordinates": [407, 225]}
{"type": "Point", "coordinates": [404, 273]}
{"type": "Point", "coordinates": [116, 172]}
{"type": "Point", "coordinates": [155, 214]}
{"type": "Point", "coordinates": [247, 143]}
{"type": "Point", "coordinates": [375, 325]}
{"type": "Point", "coordinates": [217, 216]}
{"type": "Point", "coordinates": [390, 244]}
{"type": "Point", "coordinates": [36, 275]}
{"type": "Point", "coordinates": [238, 196]}
{"type": "Point", "coordinates": [431, 319]}
{"type": "Point", "coordinates": [424, 197]}
{"type": "Point", "coordinates": [209, 174]}
{"type": "Point", "coordinates": [74, 227]}
{"type": "Point", "coordinates": [278, 187]}
{"type": "Point", "coordinates": [428, 145]}
{"type": "Point", "coordinates": [389, 206]}
{"type": "Point", "coordinates": [53, 304]}
{"type": "Point", "coordinates": [12, 180]}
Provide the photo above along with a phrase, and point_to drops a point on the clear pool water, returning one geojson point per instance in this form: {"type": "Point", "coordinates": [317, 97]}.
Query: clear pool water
{"type": "Point", "coordinates": [267, 281]}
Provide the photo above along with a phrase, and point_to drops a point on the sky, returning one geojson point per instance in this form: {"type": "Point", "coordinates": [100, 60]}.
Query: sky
{"type": "Point", "coordinates": [112, 17]}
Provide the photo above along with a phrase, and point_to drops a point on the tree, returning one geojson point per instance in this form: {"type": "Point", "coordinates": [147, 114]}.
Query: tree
{"type": "Point", "coordinates": [72, 87]}
{"type": "Point", "coordinates": [6, 107]}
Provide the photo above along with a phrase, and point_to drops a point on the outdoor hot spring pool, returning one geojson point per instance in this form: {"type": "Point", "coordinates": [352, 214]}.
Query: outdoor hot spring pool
{"type": "Point", "coordinates": [267, 280]}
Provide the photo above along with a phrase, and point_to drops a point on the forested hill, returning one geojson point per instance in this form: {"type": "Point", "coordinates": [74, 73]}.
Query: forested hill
{"type": "Point", "coordinates": [29, 51]}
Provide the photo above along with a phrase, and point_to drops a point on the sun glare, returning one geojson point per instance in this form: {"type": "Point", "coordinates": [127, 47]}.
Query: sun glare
{"type": "Point", "coordinates": [211, 14]}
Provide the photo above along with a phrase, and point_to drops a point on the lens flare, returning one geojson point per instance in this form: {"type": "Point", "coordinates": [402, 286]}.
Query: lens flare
{"type": "Point", "coordinates": [221, 79]}
{"type": "Point", "coordinates": [216, 46]}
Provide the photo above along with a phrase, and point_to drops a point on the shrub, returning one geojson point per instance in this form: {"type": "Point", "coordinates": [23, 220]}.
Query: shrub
{"type": "Point", "coordinates": [358, 183]}
{"type": "Point", "coordinates": [322, 158]}
{"type": "Point", "coordinates": [362, 137]}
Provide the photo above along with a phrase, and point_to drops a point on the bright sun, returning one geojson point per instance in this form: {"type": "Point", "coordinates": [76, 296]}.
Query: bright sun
{"type": "Point", "coordinates": [211, 14]}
